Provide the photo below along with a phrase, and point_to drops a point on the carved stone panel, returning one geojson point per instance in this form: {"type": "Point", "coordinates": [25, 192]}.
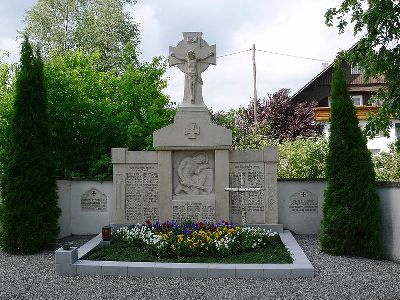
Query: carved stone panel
{"type": "Point", "coordinates": [197, 209]}
{"type": "Point", "coordinates": [193, 173]}
{"type": "Point", "coordinates": [255, 206]}
{"type": "Point", "coordinates": [93, 200]}
{"type": "Point", "coordinates": [141, 193]}
{"type": "Point", "coordinates": [304, 202]}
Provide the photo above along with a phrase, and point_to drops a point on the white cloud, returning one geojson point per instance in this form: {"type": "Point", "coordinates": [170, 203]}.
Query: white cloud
{"type": "Point", "coordinates": [289, 26]}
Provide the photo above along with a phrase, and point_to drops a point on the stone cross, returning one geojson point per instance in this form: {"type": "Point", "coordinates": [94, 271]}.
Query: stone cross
{"type": "Point", "coordinates": [192, 130]}
{"type": "Point", "coordinates": [242, 190]}
{"type": "Point", "coordinates": [192, 56]}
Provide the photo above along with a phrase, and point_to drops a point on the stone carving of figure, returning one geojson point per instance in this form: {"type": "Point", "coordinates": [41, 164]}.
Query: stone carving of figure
{"type": "Point", "coordinates": [194, 175]}
{"type": "Point", "coordinates": [192, 73]}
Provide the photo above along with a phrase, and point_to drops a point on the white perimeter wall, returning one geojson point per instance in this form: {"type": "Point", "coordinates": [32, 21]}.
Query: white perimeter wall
{"type": "Point", "coordinates": [310, 223]}
{"type": "Point", "coordinates": [75, 221]}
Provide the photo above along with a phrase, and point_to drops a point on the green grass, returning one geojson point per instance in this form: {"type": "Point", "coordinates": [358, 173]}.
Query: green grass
{"type": "Point", "coordinates": [119, 251]}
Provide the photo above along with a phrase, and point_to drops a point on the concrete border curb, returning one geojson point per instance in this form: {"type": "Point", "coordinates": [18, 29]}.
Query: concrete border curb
{"type": "Point", "coordinates": [68, 262]}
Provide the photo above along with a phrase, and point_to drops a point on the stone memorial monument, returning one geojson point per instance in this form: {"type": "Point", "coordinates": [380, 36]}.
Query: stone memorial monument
{"type": "Point", "coordinates": [186, 177]}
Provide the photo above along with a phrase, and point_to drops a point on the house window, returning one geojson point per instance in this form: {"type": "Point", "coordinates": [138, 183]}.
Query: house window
{"type": "Point", "coordinates": [357, 100]}
{"type": "Point", "coordinates": [397, 129]}
{"type": "Point", "coordinates": [356, 70]}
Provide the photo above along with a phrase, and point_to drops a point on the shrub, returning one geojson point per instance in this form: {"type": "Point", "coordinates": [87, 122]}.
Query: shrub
{"type": "Point", "coordinates": [387, 164]}
{"type": "Point", "coordinates": [29, 185]}
{"type": "Point", "coordinates": [302, 158]}
{"type": "Point", "coordinates": [351, 217]}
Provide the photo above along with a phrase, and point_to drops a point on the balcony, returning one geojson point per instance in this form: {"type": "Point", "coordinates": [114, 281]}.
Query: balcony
{"type": "Point", "coordinates": [322, 113]}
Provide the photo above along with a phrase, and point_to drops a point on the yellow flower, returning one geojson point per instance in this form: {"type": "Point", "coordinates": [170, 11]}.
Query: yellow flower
{"type": "Point", "coordinates": [180, 238]}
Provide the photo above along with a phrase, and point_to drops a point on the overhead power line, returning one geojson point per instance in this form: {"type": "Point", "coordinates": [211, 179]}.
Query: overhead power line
{"type": "Point", "coordinates": [229, 54]}
{"type": "Point", "coordinates": [295, 56]}
{"type": "Point", "coordinates": [275, 53]}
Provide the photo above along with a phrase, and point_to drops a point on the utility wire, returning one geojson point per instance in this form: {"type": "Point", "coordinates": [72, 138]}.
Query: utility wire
{"type": "Point", "coordinates": [233, 53]}
{"type": "Point", "coordinates": [275, 53]}
{"type": "Point", "coordinates": [289, 55]}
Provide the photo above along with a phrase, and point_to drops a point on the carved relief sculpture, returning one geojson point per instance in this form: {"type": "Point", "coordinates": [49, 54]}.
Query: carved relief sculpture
{"type": "Point", "coordinates": [193, 76]}
{"type": "Point", "coordinates": [195, 177]}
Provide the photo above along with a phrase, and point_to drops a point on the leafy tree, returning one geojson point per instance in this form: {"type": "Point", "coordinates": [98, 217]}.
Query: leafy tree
{"type": "Point", "coordinates": [92, 25]}
{"type": "Point", "coordinates": [387, 164]}
{"type": "Point", "coordinates": [6, 108]}
{"type": "Point", "coordinates": [29, 185]}
{"type": "Point", "coordinates": [93, 110]}
{"type": "Point", "coordinates": [279, 119]}
{"type": "Point", "coordinates": [303, 158]}
{"type": "Point", "coordinates": [287, 119]}
{"type": "Point", "coordinates": [245, 134]}
{"type": "Point", "coordinates": [377, 51]}
{"type": "Point", "coordinates": [351, 217]}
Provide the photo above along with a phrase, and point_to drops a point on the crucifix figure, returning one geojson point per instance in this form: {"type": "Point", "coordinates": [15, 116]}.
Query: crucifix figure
{"type": "Point", "coordinates": [192, 56]}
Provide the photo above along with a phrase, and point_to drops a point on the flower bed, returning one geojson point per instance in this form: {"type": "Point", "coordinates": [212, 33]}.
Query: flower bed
{"type": "Point", "coordinates": [193, 242]}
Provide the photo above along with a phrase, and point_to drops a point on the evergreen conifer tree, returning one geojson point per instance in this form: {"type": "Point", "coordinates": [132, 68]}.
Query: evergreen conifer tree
{"type": "Point", "coordinates": [351, 222]}
{"type": "Point", "coordinates": [29, 183]}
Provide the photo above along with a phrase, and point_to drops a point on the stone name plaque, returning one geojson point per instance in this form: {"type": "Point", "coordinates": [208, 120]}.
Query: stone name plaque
{"type": "Point", "coordinates": [142, 193]}
{"type": "Point", "coordinates": [253, 175]}
{"type": "Point", "coordinates": [93, 200]}
{"type": "Point", "coordinates": [195, 210]}
{"type": "Point", "coordinates": [303, 202]}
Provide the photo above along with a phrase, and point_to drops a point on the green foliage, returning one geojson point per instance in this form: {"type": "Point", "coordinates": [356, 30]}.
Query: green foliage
{"type": "Point", "coordinates": [351, 222]}
{"type": "Point", "coordinates": [303, 158]}
{"type": "Point", "coordinates": [93, 110]}
{"type": "Point", "coordinates": [104, 26]}
{"type": "Point", "coordinates": [387, 164]}
{"type": "Point", "coordinates": [377, 52]}
{"type": "Point", "coordinates": [29, 185]}
{"type": "Point", "coordinates": [279, 119]}
{"type": "Point", "coordinates": [245, 134]}
{"type": "Point", "coordinates": [6, 108]}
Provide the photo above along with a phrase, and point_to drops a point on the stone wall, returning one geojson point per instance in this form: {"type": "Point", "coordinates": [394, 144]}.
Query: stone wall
{"type": "Point", "coordinates": [85, 206]}
{"type": "Point", "coordinates": [300, 208]}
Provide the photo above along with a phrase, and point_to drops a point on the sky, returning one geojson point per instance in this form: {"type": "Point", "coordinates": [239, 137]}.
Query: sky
{"type": "Point", "coordinates": [290, 27]}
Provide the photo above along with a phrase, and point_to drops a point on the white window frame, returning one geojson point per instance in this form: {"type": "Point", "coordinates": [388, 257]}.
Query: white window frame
{"type": "Point", "coordinates": [359, 99]}
{"type": "Point", "coordinates": [356, 70]}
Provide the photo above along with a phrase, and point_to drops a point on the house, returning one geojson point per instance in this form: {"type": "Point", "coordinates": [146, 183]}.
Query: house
{"type": "Point", "coordinates": [318, 90]}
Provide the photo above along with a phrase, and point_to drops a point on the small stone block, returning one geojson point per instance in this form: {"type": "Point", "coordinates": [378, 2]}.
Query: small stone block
{"type": "Point", "coordinates": [221, 270]}
{"type": "Point", "coordinates": [118, 155]}
{"type": "Point", "coordinates": [140, 269]}
{"type": "Point", "coordinates": [105, 243]}
{"type": "Point", "coordinates": [64, 269]}
{"type": "Point", "coordinates": [277, 270]}
{"type": "Point", "coordinates": [305, 271]}
{"type": "Point", "coordinates": [115, 268]}
{"type": "Point", "coordinates": [67, 257]}
{"type": "Point", "coordinates": [271, 153]}
{"type": "Point", "coordinates": [194, 270]}
{"type": "Point", "coordinates": [249, 271]}
{"type": "Point", "coordinates": [88, 267]}
{"type": "Point", "coordinates": [167, 270]}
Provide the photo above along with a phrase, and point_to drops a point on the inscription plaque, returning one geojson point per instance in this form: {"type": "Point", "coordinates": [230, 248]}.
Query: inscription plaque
{"type": "Point", "coordinates": [303, 202]}
{"type": "Point", "coordinates": [253, 174]}
{"type": "Point", "coordinates": [93, 200]}
{"type": "Point", "coordinates": [142, 193]}
{"type": "Point", "coordinates": [197, 211]}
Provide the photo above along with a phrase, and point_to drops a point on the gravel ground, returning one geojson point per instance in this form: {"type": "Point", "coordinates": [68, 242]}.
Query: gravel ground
{"type": "Point", "coordinates": [33, 277]}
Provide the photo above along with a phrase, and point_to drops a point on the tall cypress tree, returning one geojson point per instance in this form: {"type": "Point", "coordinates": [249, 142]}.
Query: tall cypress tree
{"type": "Point", "coordinates": [351, 222]}
{"type": "Point", "coordinates": [29, 183]}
